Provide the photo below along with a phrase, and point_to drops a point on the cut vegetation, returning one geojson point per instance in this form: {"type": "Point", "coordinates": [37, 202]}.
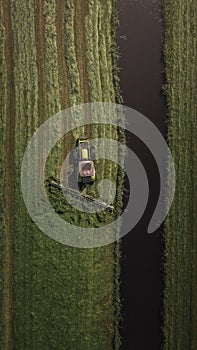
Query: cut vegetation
{"type": "Point", "coordinates": [54, 55]}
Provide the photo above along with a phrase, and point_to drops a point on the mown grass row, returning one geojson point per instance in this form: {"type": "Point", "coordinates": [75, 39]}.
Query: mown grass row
{"type": "Point", "coordinates": [180, 297]}
{"type": "Point", "coordinates": [2, 129]}
{"type": "Point", "coordinates": [70, 54]}
{"type": "Point", "coordinates": [51, 75]}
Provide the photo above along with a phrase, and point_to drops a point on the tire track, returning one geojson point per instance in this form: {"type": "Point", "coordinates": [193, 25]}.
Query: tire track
{"type": "Point", "coordinates": [64, 93]}
{"type": "Point", "coordinates": [80, 48]}
{"type": "Point", "coordinates": [8, 179]}
{"type": "Point", "coordinates": [80, 44]}
{"type": "Point", "coordinates": [39, 30]}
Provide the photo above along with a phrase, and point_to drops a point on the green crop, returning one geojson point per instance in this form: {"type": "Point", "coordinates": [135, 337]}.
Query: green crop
{"type": "Point", "coordinates": [180, 276]}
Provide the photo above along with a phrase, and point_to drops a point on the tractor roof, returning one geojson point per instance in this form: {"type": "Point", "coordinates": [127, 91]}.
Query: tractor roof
{"type": "Point", "coordinates": [86, 168]}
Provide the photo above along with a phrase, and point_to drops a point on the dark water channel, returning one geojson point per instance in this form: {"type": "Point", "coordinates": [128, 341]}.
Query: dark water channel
{"type": "Point", "coordinates": [140, 41]}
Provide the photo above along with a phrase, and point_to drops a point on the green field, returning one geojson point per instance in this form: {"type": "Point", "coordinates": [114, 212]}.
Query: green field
{"type": "Point", "coordinates": [180, 293]}
{"type": "Point", "coordinates": [54, 55]}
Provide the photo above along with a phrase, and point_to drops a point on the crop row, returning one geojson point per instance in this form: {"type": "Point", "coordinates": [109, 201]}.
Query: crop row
{"type": "Point", "coordinates": [2, 129]}
{"type": "Point", "coordinates": [26, 120]}
{"type": "Point", "coordinates": [180, 321]}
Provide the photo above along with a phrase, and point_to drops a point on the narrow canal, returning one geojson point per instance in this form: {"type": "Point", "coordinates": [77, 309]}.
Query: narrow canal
{"type": "Point", "coordinates": [140, 39]}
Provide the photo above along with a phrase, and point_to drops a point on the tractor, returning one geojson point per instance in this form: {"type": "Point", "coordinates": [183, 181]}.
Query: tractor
{"type": "Point", "coordinates": [84, 157]}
